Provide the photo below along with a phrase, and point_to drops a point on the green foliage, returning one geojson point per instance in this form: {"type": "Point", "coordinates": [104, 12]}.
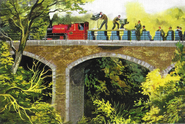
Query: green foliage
{"type": "Point", "coordinates": [103, 111]}
{"type": "Point", "coordinates": [20, 94]}
{"type": "Point", "coordinates": [166, 94]}
{"type": "Point", "coordinates": [16, 21]}
{"type": "Point", "coordinates": [6, 62]}
{"type": "Point", "coordinates": [83, 120]}
{"type": "Point", "coordinates": [179, 53]}
{"type": "Point", "coordinates": [45, 114]}
{"type": "Point", "coordinates": [170, 17]}
{"type": "Point", "coordinates": [117, 82]}
{"type": "Point", "coordinates": [39, 28]}
{"type": "Point", "coordinates": [68, 19]}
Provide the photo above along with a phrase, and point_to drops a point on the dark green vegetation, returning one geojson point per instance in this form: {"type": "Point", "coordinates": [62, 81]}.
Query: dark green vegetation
{"type": "Point", "coordinates": [117, 82]}
{"type": "Point", "coordinates": [37, 31]}
{"type": "Point", "coordinates": [69, 19]}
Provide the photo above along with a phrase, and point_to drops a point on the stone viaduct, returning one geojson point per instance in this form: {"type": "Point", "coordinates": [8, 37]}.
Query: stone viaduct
{"type": "Point", "coordinates": [68, 59]}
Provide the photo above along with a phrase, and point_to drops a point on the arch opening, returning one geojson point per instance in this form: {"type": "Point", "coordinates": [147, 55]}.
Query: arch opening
{"type": "Point", "coordinates": [27, 61]}
{"type": "Point", "coordinates": [75, 84]}
{"type": "Point", "coordinates": [115, 81]}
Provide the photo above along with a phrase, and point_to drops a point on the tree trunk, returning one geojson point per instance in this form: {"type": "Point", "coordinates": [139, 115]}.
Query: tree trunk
{"type": "Point", "coordinates": [19, 53]}
{"type": "Point", "coordinates": [18, 57]}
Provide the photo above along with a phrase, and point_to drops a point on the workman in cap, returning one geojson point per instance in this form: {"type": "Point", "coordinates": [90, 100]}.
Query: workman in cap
{"type": "Point", "coordinates": [115, 22]}
{"type": "Point", "coordinates": [105, 20]}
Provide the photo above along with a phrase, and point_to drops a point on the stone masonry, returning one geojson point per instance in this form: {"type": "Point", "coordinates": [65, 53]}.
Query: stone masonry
{"type": "Point", "coordinates": [67, 59]}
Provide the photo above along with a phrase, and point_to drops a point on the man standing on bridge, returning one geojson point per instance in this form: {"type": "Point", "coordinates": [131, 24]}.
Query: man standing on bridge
{"type": "Point", "coordinates": [138, 28]}
{"type": "Point", "coordinates": [115, 22]}
{"type": "Point", "coordinates": [104, 17]}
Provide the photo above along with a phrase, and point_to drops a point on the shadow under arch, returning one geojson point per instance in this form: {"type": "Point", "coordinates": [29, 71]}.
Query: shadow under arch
{"type": "Point", "coordinates": [49, 64]}
{"type": "Point", "coordinates": [69, 86]}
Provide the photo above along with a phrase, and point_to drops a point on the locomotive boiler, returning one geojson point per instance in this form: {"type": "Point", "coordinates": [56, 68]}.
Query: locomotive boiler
{"type": "Point", "coordinates": [74, 31]}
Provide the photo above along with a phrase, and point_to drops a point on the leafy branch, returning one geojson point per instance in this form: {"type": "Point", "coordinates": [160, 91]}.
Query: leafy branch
{"type": "Point", "coordinates": [35, 86]}
{"type": "Point", "coordinates": [4, 35]}
{"type": "Point", "coordinates": [17, 108]}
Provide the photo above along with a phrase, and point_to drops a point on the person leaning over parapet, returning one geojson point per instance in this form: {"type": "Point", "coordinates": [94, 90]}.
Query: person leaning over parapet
{"type": "Point", "coordinates": [105, 20]}
{"type": "Point", "coordinates": [162, 32]}
{"type": "Point", "coordinates": [138, 28]}
{"type": "Point", "coordinates": [115, 22]}
{"type": "Point", "coordinates": [170, 30]}
{"type": "Point", "coordinates": [143, 28]}
{"type": "Point", "coordinates": [177, 28]}
{"type": "Point", "coordinates": [180, 33]}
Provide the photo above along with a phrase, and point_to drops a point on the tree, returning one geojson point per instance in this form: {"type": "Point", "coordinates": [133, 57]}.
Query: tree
{"type": "Point", "coordinates": [21, 94]}
{"type": "Point", "coordinates": [23, 14]}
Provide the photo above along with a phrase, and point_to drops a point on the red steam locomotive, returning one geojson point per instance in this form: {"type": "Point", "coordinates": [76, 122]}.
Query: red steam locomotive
{"type": "Point", "coordinates": [74, 31]}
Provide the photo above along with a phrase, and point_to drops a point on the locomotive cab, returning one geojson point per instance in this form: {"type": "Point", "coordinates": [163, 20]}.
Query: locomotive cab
{"type": "Point", "coordinates": [78, 31]}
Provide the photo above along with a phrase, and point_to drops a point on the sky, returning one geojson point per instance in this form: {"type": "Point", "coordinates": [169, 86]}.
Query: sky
{"type": "Point", "coordinates": [117, 7]}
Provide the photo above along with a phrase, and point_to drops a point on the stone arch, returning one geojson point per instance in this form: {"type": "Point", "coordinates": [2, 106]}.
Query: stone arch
{"type": "Point", "coordinates": [167, 70]}
{"type": "Point", "coordinates": [49, 64]}
{"type": "Point", "coordinates": [98, 55]}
